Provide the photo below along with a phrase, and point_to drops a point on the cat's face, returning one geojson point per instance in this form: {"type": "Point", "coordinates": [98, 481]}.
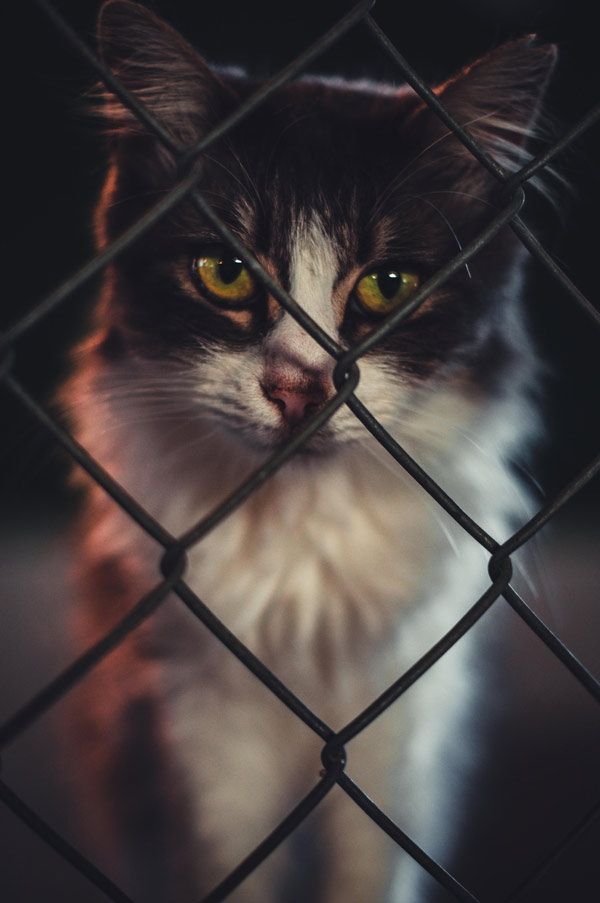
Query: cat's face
{"type": "Point", "coordinates": [350, 196]}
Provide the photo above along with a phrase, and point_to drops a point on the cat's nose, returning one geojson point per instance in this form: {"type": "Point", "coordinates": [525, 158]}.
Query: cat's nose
{"type": "Point", "coordinates": [296, 404]}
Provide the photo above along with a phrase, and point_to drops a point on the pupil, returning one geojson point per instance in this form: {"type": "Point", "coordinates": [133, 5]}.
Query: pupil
{"type": "Point", "coordinates": [230, 268]}
{"type": "Point", "coordinates": [388, 283]}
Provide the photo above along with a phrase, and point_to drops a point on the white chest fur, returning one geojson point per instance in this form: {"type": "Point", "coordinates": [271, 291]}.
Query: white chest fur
{"type": "Point", "coordinates": [338, 574]}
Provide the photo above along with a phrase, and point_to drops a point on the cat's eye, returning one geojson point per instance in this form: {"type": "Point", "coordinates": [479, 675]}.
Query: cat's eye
{"type": "Point", "coordinates": [385, 288]}
{"type": "Point", "coordinates": [225, 277]}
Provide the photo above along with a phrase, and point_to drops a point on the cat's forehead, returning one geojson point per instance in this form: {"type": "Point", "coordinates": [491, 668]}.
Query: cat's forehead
{"type": "Point", "coordinates": [323, 148]}
{"type": "Point", "coordinates": [319, 120]}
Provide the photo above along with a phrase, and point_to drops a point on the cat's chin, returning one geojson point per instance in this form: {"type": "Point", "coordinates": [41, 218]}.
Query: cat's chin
{"type": "Point", "coordinates": [264, 444]}
{"type": "Point", "coordinates": [314, 448]}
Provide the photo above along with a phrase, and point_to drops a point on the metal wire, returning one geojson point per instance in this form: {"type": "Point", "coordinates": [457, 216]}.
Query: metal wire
{"type": "Point", "coordinates": [172, 565]}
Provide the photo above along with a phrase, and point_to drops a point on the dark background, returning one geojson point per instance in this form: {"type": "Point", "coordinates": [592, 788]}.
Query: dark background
{"type": "Point", "coordinates": [541, 776]}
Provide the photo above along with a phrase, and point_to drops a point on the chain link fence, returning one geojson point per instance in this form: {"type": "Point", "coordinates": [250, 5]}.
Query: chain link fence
{"type": "Point", "coordinates": [347, 374]}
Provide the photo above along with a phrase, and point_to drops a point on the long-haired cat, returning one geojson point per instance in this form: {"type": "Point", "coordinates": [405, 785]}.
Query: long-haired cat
{"type": "Point", "coordinates": [340, 571]}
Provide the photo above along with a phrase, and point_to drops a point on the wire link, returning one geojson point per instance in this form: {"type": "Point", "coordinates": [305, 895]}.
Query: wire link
{"type": "Point", "coordinates": [172, 563]}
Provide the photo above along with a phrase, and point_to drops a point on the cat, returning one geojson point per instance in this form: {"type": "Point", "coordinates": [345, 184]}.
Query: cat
{"type": "Point", "coordinates": [339, 572]}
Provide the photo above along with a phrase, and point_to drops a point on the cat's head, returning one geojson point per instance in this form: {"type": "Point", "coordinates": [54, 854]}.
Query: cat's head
{"type": "Point", "coordinates": [349, 194]}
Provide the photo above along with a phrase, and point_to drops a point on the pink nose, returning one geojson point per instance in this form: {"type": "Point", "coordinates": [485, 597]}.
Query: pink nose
{"type": "Point", "coordinates": [295, 406]}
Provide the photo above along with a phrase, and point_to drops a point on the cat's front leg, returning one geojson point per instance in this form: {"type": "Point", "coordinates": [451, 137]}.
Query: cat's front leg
{"type": "Point", "coordinates": [247, 761]}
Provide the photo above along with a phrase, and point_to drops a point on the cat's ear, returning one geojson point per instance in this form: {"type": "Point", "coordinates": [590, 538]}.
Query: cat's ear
{"type": "Point", "coordinates": [498, 97]}
{"type": "Point", "coordinates": [162, 70]}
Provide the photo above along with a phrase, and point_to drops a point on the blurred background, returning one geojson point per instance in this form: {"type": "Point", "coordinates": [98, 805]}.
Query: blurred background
{"type": "Point", "coordinates": [540, 775]}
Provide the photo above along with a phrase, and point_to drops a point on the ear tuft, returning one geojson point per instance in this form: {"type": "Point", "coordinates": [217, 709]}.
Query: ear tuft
{"type": "Point", "coordinates": [498, 97]}
{"type": "Point", "coordinates": [164, 72]}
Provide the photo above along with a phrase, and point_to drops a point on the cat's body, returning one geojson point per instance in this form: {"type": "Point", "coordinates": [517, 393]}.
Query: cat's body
{"type": "Point", "coordinates": [340, 571]}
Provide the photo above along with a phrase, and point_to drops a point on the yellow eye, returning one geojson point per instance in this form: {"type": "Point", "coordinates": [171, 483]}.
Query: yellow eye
{"type": "Point", "coordinates": [224, 276]}
{"type": "Point", "coordinates": [384, 289]}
